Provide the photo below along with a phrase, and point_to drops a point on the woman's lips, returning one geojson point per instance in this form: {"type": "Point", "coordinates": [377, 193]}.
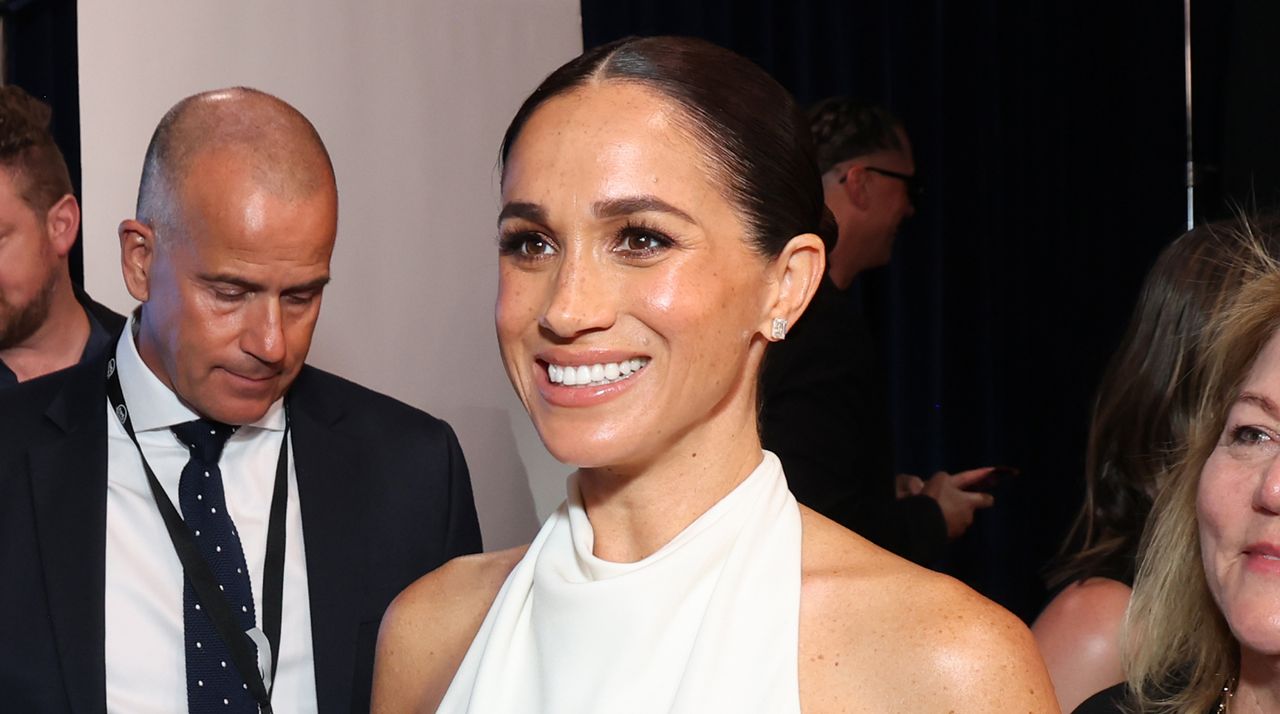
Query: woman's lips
{"type": "Point", "coordinates": [595, 374]}
{"type": "Point", "coordinates": [1263, 558]}
{"type": "Point", "coordinates": [585, 380]}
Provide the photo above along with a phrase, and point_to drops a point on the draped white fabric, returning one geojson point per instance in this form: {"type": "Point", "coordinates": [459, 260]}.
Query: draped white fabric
{"type": "Point", "coordinates": [709, 623]}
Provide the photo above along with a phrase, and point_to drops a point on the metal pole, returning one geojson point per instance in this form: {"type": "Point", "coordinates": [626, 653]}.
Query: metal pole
{"type": "Point", "coordinates": [1191, 166]}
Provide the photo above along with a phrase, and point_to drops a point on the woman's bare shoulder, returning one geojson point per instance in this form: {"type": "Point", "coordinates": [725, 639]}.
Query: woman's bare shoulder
{"type": "Point", "coordinates": [427, 629]}
{"type": "Point", "coordinates": [1079, 635]}
{"type": "Point", "coordinates": [878, 633]}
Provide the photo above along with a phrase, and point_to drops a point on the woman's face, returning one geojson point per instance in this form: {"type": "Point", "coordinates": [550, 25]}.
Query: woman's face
{"type": "Point", "coordinates": [1238, 507]}
{"type": "Point", "coordinates": [630, 308]}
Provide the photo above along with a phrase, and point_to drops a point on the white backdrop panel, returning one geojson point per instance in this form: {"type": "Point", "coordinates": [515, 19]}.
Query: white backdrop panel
{"type": "Point", "coordinates": [411, 97]}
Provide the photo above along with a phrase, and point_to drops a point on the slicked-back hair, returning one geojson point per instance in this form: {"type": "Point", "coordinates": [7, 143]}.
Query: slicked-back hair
{"type": "Point", "coordinates": [753, 138]}
{"type": "Point", "coordinates": [845, 129]}
{"type": "Point", "coordinates": [28, 152]}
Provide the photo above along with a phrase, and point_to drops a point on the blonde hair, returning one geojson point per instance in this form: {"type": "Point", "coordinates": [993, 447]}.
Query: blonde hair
{"type": "Point", "coordinates": [1178, 650]}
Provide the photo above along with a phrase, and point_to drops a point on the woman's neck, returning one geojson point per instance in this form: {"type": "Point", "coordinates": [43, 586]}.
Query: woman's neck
{"type": "Point", "coordinates": [1258, 687]}
{"type": "Point", "coordinates": [635, 510]}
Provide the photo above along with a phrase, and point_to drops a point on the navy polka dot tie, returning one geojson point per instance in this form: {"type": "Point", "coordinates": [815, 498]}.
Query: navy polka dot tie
{"type": "Point", "coordinates": [213, 682]}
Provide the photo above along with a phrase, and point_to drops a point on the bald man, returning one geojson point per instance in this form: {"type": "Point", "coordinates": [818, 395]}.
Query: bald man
{"type": "Point", "coordinates": [199, 521]}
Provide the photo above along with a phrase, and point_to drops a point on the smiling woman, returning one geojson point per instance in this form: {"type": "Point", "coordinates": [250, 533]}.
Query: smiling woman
{"type": "Point", "coordinates": [660, 227]}
{"type": "Point", "coordinates": [1203, 627]}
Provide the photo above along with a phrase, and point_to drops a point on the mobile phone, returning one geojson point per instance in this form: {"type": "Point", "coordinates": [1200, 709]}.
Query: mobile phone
{"type": "Point", "coordinates": [996, 478]}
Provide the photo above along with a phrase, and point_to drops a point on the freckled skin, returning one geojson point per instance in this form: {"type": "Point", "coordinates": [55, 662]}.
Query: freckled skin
{"type": "Point", "coordinates": [876, 633]}
{"type": "Point", "coordinates": [692, 310]}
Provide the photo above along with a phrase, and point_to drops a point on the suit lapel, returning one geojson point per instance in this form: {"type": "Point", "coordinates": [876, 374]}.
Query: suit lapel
{"type": "Point", "coordinates": [333, 517]}
{"type": "Point", "coordinates": [69, 490]}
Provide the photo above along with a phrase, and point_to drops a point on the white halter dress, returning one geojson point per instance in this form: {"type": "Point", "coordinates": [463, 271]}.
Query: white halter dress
{"type": "Point", "coordinates": [709, 623]}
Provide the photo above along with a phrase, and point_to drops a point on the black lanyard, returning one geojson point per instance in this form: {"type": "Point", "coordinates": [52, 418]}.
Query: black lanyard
{"type": "Point", "coordinates": [242, 644]}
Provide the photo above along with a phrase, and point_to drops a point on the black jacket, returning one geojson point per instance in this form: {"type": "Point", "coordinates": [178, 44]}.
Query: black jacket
{"type": "Point", "coordinates": [825, 413]}
{"type": "Point", "coordinates": [385, 497]}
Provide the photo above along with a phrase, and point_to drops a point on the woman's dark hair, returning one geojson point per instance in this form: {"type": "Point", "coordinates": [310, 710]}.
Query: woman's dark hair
{"type": "Point", "coordinates": [754, 137]}
{"type": "Point", "coordinates": [1150, 390]}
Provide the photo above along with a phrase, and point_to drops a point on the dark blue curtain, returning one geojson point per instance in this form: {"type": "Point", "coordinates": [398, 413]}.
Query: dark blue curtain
{"type": "Point", "coordinates": [1051, 138]}
{"type": "Point", "coordinates": [40, 56]}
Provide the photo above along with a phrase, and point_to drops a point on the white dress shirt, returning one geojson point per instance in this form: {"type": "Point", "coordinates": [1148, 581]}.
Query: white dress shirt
{"type": "Point", "coordinates": [145, 659]}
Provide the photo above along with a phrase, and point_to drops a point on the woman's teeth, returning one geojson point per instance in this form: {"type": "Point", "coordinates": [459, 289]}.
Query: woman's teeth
{"type": "Point", "coordinates": [594, 375]}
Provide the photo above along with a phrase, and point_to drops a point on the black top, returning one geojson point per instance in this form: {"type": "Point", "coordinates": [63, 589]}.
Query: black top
{"type": "Point", "coordinates": [1108, 701]}
{"type": "Point", "coordinates": [825, 414]}
{"type": "Point", "coordinates": [104, 328]}
{"type": "Point", "coordinates": [1115, 700]}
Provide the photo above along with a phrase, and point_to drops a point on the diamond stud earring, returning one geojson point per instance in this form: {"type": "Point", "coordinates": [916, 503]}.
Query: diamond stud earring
{"type": "Point", "coordinates": [778, 329]}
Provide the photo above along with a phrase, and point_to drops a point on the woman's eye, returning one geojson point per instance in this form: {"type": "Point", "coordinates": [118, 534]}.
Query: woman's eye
{"type": "Point", "coordinates": [536, 246]}
{"type": "Point", "coordinates": [642, 241]}
{"type": "Point", "coordinates": [526, 245]}
{"type": "Point", "coordinates": [1249, 436]}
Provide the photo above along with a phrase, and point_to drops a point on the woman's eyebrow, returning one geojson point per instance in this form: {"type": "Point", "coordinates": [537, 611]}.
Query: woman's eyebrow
{"type": "Point", "coordinates": [1262, 402]}
{"type": "Point", "coordinates": [522, 209]}
{"type": "Point", "coordinates": [615, 207]}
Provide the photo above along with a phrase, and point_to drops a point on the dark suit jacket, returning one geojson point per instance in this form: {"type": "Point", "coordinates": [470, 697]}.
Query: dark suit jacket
{"type": "Point", "coordinates": [108, 318]}
{"type": "Point", "coordinates": [825, 414]}
{"type": "Point", "coordinates": [385, 497]}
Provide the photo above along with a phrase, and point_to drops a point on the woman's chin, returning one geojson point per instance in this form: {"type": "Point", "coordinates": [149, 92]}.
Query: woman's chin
{"type": "Point", "coordinates": [1257, 631]}
{"type": "Point", "coordinates": [588, 453]}
{"type": "Point", "coordinates": [589, 445]}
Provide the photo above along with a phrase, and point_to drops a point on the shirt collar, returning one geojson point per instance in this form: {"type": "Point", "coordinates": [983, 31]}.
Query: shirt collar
{"type": "Point", "coordinates": [154, 406]}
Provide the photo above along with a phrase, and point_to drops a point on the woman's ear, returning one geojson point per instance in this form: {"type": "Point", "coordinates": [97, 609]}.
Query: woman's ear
{"type": "Point", "coordinates": [137, 251]}
{"type": "Point", "coordinates": [797, 271]}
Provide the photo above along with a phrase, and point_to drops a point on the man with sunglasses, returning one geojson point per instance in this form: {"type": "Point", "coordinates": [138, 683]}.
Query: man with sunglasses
{"type": "Point", "coordinates": [825, 406]}
{"type": "Point", "coordinates": [869, 182]}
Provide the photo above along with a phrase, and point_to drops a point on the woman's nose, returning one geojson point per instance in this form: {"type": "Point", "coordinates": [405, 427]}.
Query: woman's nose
{"type": "Point", "coordinates": [582, 298]}
{"type": "Point", "coordinates": [1267, 496]}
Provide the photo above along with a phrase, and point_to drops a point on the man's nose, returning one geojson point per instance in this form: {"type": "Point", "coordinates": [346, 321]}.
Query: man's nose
{"type": "Point", "coordinates": [263, 335]}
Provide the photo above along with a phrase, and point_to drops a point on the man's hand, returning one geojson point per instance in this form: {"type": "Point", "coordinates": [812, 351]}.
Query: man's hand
{"type": "Point", "coordinates": [957, 503]}
{"type": "Point", "coordinates": [908, 485]}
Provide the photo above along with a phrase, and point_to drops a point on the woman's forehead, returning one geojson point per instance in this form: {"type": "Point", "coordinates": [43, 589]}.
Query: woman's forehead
{"type": "Point", "coordinates": [607, 140]}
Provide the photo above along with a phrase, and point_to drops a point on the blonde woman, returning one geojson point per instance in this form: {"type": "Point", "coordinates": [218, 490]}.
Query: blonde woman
{"type": "Point", "coordinates": [1143, 410]}
{"type": "Point", "coordinates": [1203, 628]}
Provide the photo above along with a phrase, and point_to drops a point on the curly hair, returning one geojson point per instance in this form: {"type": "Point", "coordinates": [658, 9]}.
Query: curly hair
{"type": "Point", "coordinates": [28, 152]}
{"type": "Point", "coordinates": [844, 128]}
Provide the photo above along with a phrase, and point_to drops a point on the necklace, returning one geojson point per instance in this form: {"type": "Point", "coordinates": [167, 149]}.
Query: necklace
{"type": "Point", "coordinates": [1225, 698]}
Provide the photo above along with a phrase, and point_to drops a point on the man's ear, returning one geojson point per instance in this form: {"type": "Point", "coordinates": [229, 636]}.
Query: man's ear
{"type": "Point", "coordinates": [797, 271]}
{"type": "Point", "coordinates": [137, 253]}
{"type": "Point", "coordinates": [855, 187]}
{"type": "Point", "coordinates": [61, 222]}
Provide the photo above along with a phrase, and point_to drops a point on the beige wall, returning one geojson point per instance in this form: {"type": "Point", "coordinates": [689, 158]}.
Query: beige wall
{"type": "Point", "coordinates": [411, 97]}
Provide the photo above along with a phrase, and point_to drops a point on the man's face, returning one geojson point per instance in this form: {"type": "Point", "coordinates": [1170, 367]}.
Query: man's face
{"type": "Point", "coordinates": [233, 290]}
{"type": "Point", "coordinates": [28, 266]}
{"type": "Point", "coordinates": [888, 199]}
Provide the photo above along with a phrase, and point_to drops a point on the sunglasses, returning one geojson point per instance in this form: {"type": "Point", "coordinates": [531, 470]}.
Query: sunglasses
{"type": "Point", "coordinates": [915, 188]}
